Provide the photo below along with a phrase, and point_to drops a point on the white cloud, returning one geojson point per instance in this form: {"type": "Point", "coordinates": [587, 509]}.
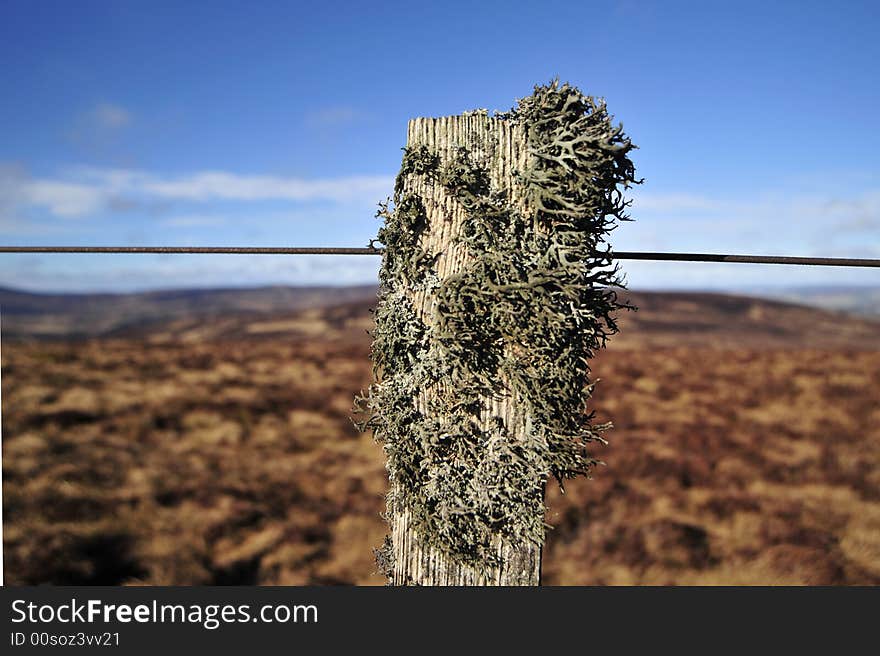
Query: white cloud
{"type": "Point", "coordinates": [110, 116]}
{"type": "Point", "coordinates": [63, 199]}
{"type": "Point", "coordinates": [721, 276]}
{"type": "Point", "coordinates": [767, 222]}
{"type": "Point", "coordinates": [124, 273]}
{"type": "Point", "coordinates": [820, 221]}
{"type": "Point", "coordinates": [860, 209]}
{"type": "Point", "coordinates": [88, 190]}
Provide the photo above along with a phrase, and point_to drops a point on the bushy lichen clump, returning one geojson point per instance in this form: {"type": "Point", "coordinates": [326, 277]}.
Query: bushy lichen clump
{"type": "Point", "coordinates": [522, 319]}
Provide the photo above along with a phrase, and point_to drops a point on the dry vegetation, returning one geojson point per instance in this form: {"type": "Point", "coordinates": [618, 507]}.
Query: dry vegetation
{"type": "Point", "coordinates": [746, 450]}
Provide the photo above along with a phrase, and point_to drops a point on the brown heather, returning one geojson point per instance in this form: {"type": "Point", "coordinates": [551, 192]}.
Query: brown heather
{"type": "Point", "coordinates": [745, 451]}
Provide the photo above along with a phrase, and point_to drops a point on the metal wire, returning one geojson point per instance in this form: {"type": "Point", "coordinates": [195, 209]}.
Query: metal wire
{"type": "Point", "coordinates": [207, 250]}
{"type": "Point", "coordinates": [749, 259]}
{"type": "Point", "coordinates": [619, 255]}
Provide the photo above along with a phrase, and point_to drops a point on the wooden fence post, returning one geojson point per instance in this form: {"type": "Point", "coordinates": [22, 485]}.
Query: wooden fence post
{"type": "Point", "coordinates": [500, 147]}
{"type": "Point", "coordinates": [495, 294]}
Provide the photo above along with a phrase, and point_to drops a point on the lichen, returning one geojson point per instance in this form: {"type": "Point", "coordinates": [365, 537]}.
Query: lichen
{"type": "Point", "coordinates": [522, 319]}
{"type": "Point", "coordinates": [384, 556]}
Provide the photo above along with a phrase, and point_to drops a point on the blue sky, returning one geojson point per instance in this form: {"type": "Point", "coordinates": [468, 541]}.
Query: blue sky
{"type": "Point", "coordinates": [281, 123]}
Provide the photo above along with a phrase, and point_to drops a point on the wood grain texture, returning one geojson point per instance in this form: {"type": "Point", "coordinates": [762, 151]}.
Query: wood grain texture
{"type": "Point", "coordinates": [500, 147]}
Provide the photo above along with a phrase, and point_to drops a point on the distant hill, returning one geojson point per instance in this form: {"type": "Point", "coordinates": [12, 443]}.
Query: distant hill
{"type": "Point", "coordinates": [25, 314]}
{"type": "Point", "coordinates": [729, 321]}
{"type": "Point", "coordinates": [863, 300]}
{"type": "Point", "coordinates": [663, 318]}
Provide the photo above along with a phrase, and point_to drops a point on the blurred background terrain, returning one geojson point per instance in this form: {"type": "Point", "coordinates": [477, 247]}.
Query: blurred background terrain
{"type": "Point", "coordinates": [204, 437]}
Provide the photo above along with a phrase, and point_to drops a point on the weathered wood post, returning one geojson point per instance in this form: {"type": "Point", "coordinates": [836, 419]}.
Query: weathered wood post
{"type": "Point", "coordinates": [493, 299]}
{"type": "Point", "coordinates": [499, 146]}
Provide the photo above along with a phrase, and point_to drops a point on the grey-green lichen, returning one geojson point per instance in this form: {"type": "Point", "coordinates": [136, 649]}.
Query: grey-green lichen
{"type": "Point", "coordinates": [522, 319]}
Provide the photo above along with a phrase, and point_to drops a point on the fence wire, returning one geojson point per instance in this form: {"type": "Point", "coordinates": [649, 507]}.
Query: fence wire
{"type": "Point", "coordinates": [618, 255]}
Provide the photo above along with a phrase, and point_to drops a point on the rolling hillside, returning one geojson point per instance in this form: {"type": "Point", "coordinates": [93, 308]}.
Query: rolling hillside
{"type": "Point", "coordinates": [213, 444]}
{"type": "Point", "coordinates": [663, 318]}
{"type": "Point", "coordinates": [38, 316]}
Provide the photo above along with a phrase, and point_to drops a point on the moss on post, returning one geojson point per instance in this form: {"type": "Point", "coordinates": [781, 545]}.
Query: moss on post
{"type": "Point", "coordinates": [494, 296]}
